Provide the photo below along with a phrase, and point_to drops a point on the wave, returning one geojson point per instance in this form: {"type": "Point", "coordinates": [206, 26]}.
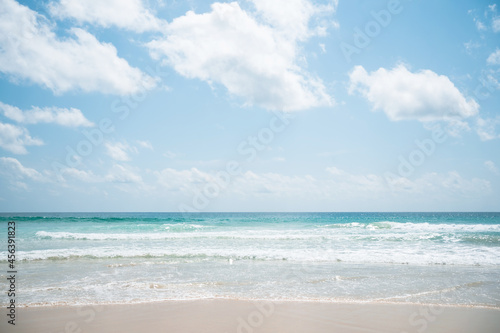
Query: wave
{"type": "Point", "coordinates": [178, 227]}
{"type": "Point", "coordinates": [374, 255]}
{"type": "Point", "coordinates": [103, 219]}
{"type": "Point", "coordinates": [411, 226]}
{"type": "Point", "coordinates": [261, 235]}
{"type": "Point", "coordinates": [187, 232]}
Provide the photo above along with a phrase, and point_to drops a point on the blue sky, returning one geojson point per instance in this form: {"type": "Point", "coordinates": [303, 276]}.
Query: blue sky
{"type": "Point", "coordinates": [252, 105]}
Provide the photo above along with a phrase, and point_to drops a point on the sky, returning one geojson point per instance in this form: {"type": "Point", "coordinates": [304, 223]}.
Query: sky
{"type": "Point", "coordinates": [251, 105]}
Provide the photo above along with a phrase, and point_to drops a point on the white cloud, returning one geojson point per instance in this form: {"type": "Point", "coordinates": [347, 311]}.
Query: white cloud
{"type": "Point", "coordinates": [122, 174]}
{"type": "Point", "coordinates": [496, 24]}
{"type": "Point", "coordinates": [490, 165]}
{"type": "Point", "coordinates": [64, 117]}
{"type": "Point", "coordinates": [254, 59]}
{"type": "Point", "coordinates": [480, 25]}
{"type": "Point", "coordinates": [494, 58]}
{"type": "Point", "coordinates": [126, 14]}
{"type": "Point", "coordinates": [291, 17]}
{"type": "Point", "coordinates": [118, 150]}
{"type": "Point", "coordinates": [15, 139]}
{"type": "Point", "coordinates": [486, 128]}
{"type": "Point", "coordinates": [30, 50]}
{"type": "Point", "coordinates": [403, 95]}
{"type": "Point", "coordinates": [15, 170]}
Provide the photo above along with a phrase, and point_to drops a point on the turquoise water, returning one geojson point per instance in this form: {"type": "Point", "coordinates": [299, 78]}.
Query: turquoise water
{"type": "Point", "coordinates": [87, 258]}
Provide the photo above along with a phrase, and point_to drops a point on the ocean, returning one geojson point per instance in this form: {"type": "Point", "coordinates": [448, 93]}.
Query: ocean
{"type": "Point", "coordinates": [97, 258]}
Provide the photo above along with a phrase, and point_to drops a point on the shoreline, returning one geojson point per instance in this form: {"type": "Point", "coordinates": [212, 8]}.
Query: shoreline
{"type": "Point", "coordinates": [277, 300]}
{"type": "Point", "coordinates": [245, 316]}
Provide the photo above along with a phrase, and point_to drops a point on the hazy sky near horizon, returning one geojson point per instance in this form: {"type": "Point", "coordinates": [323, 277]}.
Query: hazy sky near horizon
{"type": "Point", "coordinates": [252, 105]}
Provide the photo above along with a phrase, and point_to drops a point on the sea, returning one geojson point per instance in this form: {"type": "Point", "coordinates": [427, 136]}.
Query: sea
{"type": "Point", "coordinates": [102, 258]}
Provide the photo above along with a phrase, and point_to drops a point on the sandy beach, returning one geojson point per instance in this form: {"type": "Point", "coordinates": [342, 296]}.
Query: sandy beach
{"type": "Point", "coordinates": [237, 316]}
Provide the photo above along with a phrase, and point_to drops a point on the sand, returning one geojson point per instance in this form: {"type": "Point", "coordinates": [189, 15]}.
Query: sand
{"type": "Point", "coordinates": [221, 316]}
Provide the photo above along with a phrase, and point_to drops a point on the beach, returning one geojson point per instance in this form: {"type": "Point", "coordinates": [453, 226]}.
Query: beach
{"type": "Point", "coordinates": [218, 316]}
{"type": "Point", "coordinates": [254, 272]}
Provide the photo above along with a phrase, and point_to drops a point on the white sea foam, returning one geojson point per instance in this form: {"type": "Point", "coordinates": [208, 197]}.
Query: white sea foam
{"type": "Point", "coordinates": [377, 253]}
{"type": "Point", "coordinates": [416, 227]}
{"type": "Point", "coordinates": [316, 235]}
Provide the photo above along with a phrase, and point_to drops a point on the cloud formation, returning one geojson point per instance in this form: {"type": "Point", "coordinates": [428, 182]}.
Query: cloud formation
{"type": "Point", "coordinates": [30, 50]}
{"type": "Point", "coordinates": [404, 95]}
{"type": "Point", "coordinates": [15, 170]}
{"type": "Point", "coordinates": [494, 58]}
{"type": "Point", "coordinates": [256, 60]}
{"type": "Point", "coordinates": [65, 117]}
{"type": "Point", "coordinates": [15, 139]}
{"type": "Point", "coordinates": [125, 14]}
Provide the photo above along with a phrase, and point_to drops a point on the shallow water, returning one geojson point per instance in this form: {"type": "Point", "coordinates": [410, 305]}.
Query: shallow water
{"type": "Point", "coordinates": [81, 258]}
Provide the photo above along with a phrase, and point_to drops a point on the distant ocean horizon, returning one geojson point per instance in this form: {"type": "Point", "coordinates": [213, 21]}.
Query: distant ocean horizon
{"type": "Point", "coordinates": [94, 258]}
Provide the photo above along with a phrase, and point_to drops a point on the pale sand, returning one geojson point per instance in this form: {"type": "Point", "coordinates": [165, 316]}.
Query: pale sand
{"type": "Point", "coordinates": [225, 316]}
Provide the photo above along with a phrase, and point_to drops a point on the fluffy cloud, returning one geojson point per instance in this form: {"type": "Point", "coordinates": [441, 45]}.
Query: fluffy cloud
{"type": "Point", "coordinates": [403, 95]}
{"type": "Point", "coordinates": [15, 170]}
{"type": "Point", "coordinates": [254, 56]}
{"type": "Point", "coordinates": [291, 17]}
{"type": "Point", "coordinates": [119, 151]}
{"type": "Point", "coordinates": [494, 58]}
{"type": "Point", "coordinates": [126, 14]}
{"type": "Point", "coordinates": [30, 50]}
{"type": "Point", "coordinates": [15, 139]}
{"type": "Point", "coordinates": [64, 117]}
{"type": "Point", "coordinates": [480, 25]}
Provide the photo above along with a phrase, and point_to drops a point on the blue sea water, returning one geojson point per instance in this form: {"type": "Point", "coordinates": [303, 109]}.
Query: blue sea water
{"type": "Point", "coordinates": [89, 258]}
